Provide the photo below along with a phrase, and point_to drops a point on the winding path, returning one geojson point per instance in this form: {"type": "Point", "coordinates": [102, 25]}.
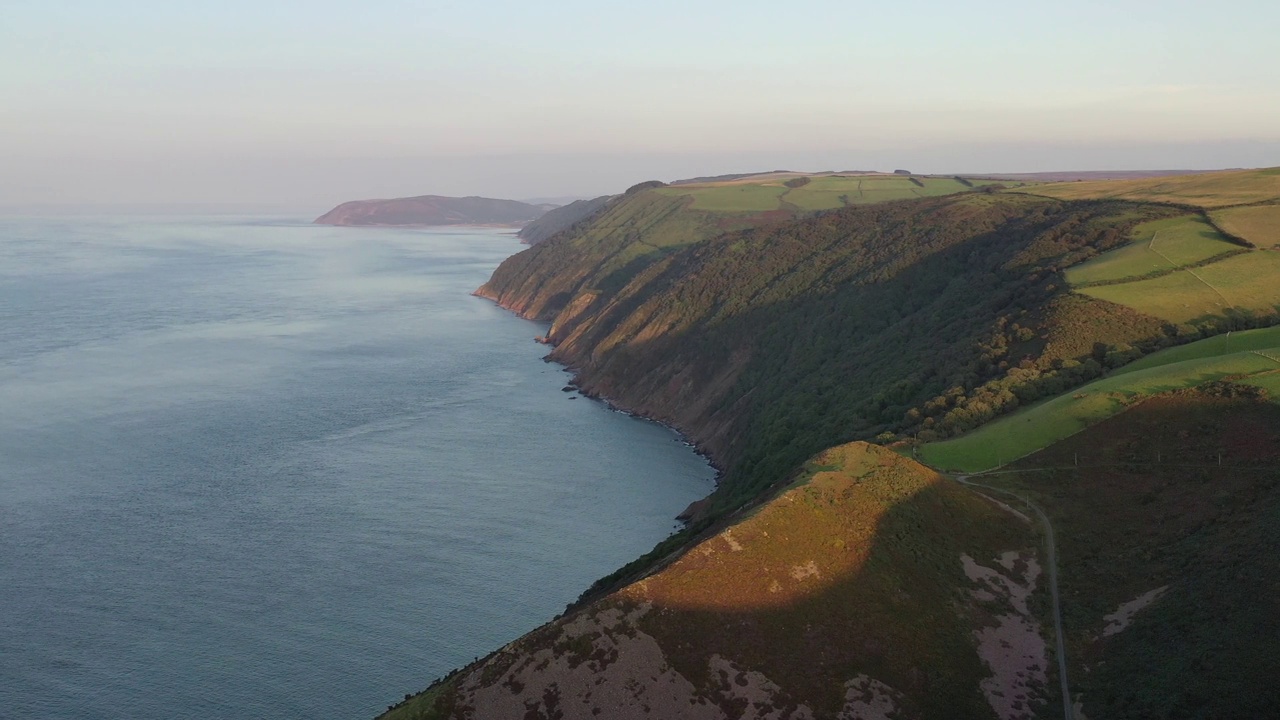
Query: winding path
{"type": "Point", "coordinates": [1068, 711]}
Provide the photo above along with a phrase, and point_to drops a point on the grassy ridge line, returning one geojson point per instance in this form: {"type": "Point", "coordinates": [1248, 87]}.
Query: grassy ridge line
{"type": "Point", "coordinates": [1039, 426]}
{"type": "Point", "coordinates": [819, 193]}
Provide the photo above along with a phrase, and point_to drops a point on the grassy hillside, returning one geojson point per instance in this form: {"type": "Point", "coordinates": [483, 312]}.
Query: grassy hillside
{"type": "Point", "coordinates": [1245, 281]}
{"type": "Point", "coordinates": [1254, 357]}
{"type": "Point", "coordinates": [1158, 247]}
{"type": "Point", "coordinates": [1258, 224]}
{"type": "Point", "coordinates": [869, 582]}
{"type": "Point", "coordinates": [615, 238]}
{"type": "Point", "coordinates": [771, 344]}
{"type": "Point", "coordinates": [1173, 523]}
{"type": "Point", "coordinates": [1207, 190]}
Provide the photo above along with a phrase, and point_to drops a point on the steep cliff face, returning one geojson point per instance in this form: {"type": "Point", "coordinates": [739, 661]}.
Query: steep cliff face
{"type": "Point", "coordinates": [872, 588]}
{"type": "Point", "coordinates": [768, 344]}
{"type": "Point", "coordinates": [433, 210]}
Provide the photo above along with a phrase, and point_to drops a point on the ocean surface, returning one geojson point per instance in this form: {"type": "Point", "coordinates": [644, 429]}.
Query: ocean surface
{"type": "Point", "coordinates": [254, 468]}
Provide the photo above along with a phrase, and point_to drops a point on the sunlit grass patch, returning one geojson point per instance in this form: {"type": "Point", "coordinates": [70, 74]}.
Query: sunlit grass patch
{"type": "Point", "coordinates": [1261, 339]}
{"type": "Point", "coordinates": [1248, 281]}
{"type": "Point", "coordinates": [1157, 246]}
{"type": "Point", "coordinates": [1259, 224]}
{"type": "Point", "coordinates": [733, 198]}
{"type": "Point", "coordinates": [1041, 425]}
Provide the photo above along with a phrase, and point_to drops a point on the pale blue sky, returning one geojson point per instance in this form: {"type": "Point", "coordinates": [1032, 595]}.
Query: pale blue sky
{"type": "Point", "coordinates": [314, 102]}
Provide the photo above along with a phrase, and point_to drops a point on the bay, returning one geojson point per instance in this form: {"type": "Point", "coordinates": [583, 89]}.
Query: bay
{"type": "Point", "coordinates": [252, 467]}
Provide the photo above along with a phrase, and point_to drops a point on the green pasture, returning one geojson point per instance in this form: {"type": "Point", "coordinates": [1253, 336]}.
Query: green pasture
{"type": "Point", "coordinates": [1259, 224]}
{"type": "Point", "coordinates": [1159, 245]}
{"type": "Point", "coordinates": [1261, 339]}
{"type": "Point", "coordinates": [825, 193]}
{"type": "Point", "coordinates": [1038, 426]}
{"type": "Point", "coordinates": [1248, 281]}
{"type": "Point", "coordinates": [732, 198]}
{"type": "Point", "coordinates": [1269, 382]}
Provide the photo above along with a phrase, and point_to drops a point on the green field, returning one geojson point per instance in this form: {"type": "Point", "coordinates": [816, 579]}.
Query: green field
{"type": "Point", "coordinates": [1208, 190]}
{"type": "Point", "coordinates": [1259, 224]}
{"type": "Point", "coordinates": [1261, 339]}
{"type": "Point", "coordinates": [1269, 382]}
{"type": "Point", "coordinates": [1038, 426]}
{"type": "Point", "coordinates": [1248, 281]}
{"type": "Point", "coordinates": [1163, 245]}
{"type": "Point", "coordinates": [732, 198]}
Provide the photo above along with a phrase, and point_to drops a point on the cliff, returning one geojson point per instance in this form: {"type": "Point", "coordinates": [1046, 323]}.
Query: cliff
{"type": "Point", "coordinates": [768, 344]}
{"type": "Point", "coordinates": [433, 210]}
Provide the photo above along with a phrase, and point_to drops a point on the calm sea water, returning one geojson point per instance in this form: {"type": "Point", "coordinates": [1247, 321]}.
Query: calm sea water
{"type": "Point", "coordinates": [252, 468]}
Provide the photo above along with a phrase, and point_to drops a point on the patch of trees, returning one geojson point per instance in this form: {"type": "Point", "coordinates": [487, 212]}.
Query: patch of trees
{"type": "Point", "coordinates": [798, 182]}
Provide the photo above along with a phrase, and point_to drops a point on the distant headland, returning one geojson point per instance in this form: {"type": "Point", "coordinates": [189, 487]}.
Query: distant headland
{"type": "Point", "coordinates": [433, 210]}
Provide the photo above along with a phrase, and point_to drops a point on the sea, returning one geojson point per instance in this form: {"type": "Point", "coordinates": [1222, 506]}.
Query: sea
{"type": "Point", "coordinates": [252, 467]}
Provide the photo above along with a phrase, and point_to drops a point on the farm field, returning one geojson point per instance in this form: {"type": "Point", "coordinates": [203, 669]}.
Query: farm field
{"type": "Point", "coordinates": [732, 198]}
{"type": "Point", "coordinates": [1207, 190]}
{"type": "Point", "coordinates": [1038, 426]}
{"type": "Point", "coordinates": [1259, 224]}
{"type": "Point", "coordinates": [1261, 339]}
{"type": "Point", "coordinates": [1159, 245]}
{"type": "Point", "coordinates": [1248, 281]}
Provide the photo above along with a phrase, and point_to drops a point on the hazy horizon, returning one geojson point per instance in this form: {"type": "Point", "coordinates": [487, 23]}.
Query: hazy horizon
{"type": "Point", "coordinates": [287, 104]}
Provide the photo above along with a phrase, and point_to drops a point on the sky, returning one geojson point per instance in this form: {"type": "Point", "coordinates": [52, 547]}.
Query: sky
{"type": "Point", "coordinates": [306, 104]}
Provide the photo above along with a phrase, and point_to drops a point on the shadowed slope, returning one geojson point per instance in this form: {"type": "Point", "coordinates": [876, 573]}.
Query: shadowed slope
{"type": "Point", "coordinates": [871, 585]}
{"type": "Point", "coordinates": [769, 345]}
{"type": "Point", "coordinates": [1169, 550]}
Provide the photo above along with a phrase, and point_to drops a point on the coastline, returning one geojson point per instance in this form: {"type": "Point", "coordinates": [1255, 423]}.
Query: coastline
{"type": "Point", "coordinates": [690, 513]}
